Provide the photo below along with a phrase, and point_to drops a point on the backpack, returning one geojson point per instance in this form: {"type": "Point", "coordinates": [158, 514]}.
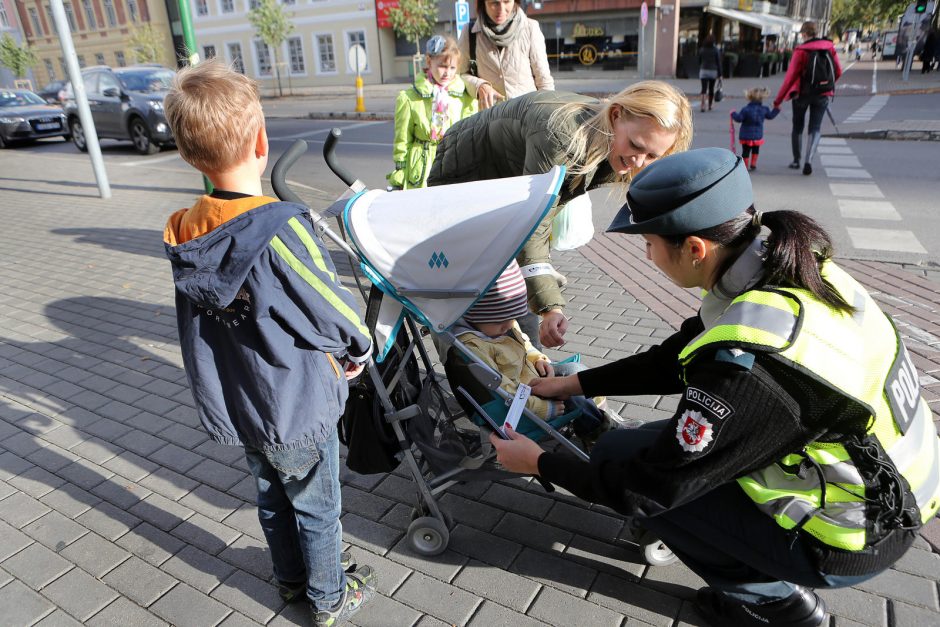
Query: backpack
{"type": "Point", "coordinates": [819, 74]}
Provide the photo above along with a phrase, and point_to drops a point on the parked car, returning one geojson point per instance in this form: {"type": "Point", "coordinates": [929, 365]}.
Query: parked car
{"type": "Point", "coordinates": [54, 92]}
{"type": "Point", "coordinates": [24, 116]}
{"type": "Point", "coordinates": [126, 103]}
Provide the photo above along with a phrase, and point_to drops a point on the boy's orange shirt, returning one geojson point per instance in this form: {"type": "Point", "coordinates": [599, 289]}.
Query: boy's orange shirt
{"type": "Point", "coordinates": [207, 214]}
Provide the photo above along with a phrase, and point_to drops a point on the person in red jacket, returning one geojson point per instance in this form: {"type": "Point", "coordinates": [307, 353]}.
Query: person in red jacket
{"type": "Point", "coordinates": [811, 86]}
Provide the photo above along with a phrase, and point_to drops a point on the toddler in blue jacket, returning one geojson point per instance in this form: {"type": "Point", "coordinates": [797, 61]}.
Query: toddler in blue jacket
{"type": "Point", "coordinates": [751, 118]}
{"type": "Point", "coordinates": [269, 336]}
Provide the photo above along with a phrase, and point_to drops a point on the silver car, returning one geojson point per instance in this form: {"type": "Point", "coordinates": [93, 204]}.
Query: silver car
{"type": "Point", "coordinates": [24, 116]}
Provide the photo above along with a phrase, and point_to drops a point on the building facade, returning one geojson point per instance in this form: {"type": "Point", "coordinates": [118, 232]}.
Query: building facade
{"type": "Point", "coordinates": [9, 25]}
{"type": "Point", "coordinates": [101, 31]}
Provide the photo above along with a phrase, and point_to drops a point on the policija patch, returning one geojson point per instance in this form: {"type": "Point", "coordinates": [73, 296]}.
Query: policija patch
{"type": "Point", "coordinates": [717, 407]}
{"type": "Point", "coordinates": [694, 432]}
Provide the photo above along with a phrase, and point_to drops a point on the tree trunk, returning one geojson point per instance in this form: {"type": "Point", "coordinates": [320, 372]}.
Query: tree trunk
{"type": "Point", "coordinates": [277, 73]}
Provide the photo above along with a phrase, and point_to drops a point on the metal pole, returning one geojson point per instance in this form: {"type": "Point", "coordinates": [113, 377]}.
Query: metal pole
{"type": "Point", "coordinates": [192, 57]}
{"type": "Point", "coordinates": [641, 59]}
{"type": "Point", "coordinates": [81, 98]}
{"type": "Point", "coordinates": [911, 43]}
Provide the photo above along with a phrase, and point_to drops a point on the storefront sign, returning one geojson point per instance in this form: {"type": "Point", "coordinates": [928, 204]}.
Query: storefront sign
{"type": "Point", "coordinates": [580, 30]}
{"type": "Point", "coordinates": [381, 12]}
{"type": "Point", "coordinates": [587, 55]}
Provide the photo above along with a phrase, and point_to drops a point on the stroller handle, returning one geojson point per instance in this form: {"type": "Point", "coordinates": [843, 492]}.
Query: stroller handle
{"type": "Point", "coordinates": [279, 172]}
{"type": "Point", "coordinates": [329, 155]}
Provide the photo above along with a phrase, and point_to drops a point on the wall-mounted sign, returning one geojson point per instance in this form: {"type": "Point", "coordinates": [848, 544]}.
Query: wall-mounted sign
{"type": "Point", "coordinates": [580, 30]}
{"type": "Point", "coordinates": [587, 55]}
{"type": "Point", "coordinates": [381, 12]}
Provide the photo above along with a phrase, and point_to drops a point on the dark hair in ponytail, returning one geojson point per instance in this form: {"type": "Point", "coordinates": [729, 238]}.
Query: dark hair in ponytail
{"type": "Point", "coordinates": [796, 248]}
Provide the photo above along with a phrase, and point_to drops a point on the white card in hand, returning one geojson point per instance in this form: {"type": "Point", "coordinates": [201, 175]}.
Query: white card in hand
{"type": "Point", "coordinates": [518, 403]}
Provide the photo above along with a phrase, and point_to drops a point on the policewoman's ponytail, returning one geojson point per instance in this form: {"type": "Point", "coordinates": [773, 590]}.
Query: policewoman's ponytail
{"type": "Point", "coordinates": [796, 248]}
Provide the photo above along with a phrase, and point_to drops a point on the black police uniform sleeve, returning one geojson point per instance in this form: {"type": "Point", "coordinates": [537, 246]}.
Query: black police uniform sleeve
{"type": "Point", "coordinates": [760, 424]}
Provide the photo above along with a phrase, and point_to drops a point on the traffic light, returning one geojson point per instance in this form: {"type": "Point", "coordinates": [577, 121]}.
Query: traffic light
{"type": "Point", "coordinates": [920, 6]}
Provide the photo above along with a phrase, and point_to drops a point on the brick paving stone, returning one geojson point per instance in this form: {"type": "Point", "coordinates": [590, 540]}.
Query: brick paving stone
{"type": "Point", "coordinates": [634, 600]}
{"type": "Point", "coordinates": [54, 531]}
{"type": "Point", "coordinates": [555, 571]}
{"type": "Point", "coordinates": [249, 595]}
{"type": "Point", "coordinates": [217, 475]}
{"type": "Point", "coordinates": [184, 606]}
{"type": "Point", "coordinates": [160, 511]}
{"type": "Point", "coordinates": [140, 442]}
{"type": "Point", "coordinates": [368, 534]}
{"type": "Point", "coordinates": [121, 492]}
{"type": "Point", "coordinates": [490, 614]}
{"type": "Point", "coordinates": [148, 423]}
{"type": "Point", "coordinates": [471, 512]}
{"type": "Point", "coordinates": [251, 555]}
{"type": "Point", "coordinates": [108, 521]}
{"type": "Point", "coordinates": [532, 533]}
{"type": "Point", "coordinates": [51, 457]}
{"type": "Point", "coordinates": [184, 436]}
{"type": "Point", "coordinates": [36, 566]}
{"type": "Point", "coordinates": [149, 543]}
{"type": "Point", "coordinates": [79, 594]}
{"type": "Point", "coordinates": [21, 606]}
{"type": "Point", "coordinates": [176, 457]}
{"type": "Point", "coordinates": [508, 589]}
{"type": "Point", "coordinates": [557, 608]}
{"type": "Point", "coordinates": [675, 579]}
{"type": "Point", "coordinates": [442, 567]}
{"type": "Point", "coordinates": [212, 503]}
{"type": "Point", "coordinates": [36, 482]}
{"type": "Point", "coordinates": [293, 615]}
{"type": "Point", "coordinates": [139, 581]}
{"type": "Point", "coordinates": [365, 504]}
{"type": "Point", "coordinates": [905, 614]}
{"type": "Point", "coordinates": [94, 554]}
{"type": "Point", "coordinates": [396, 488]}
{"type": "Point", "coordinates": [66, 436]}
{"type": "Point", "coordinates": [583, 521]}
{"type": "Point", "coordinates": [903, 587]}
{"type": "Point", "coordinates": [483, 546]}
{"type": "Point", "coordinates": [168, 483]}
{"type": "Point", "coordinates": [245, 489]}
{"type": "Point", "coordinates": [613, 557]}
{"type": "Point", "coordinates": [123, 612]}
{"type": "Point", "coordinates": [85, 474]}
{"type": "Point", "coordinates": [919, 562]}
{"type": "Point", "coordinates": [96, 450]}
{"type": "Point", "coordinates": [107, 429]}
{"type": "Point", "coordinates": [382, 611]}
{"type": "Point", "coordinates": [398, 517]}
{"type": "Point", "coordinates": [198, 569]}
{"type": "Point", "coordinates": [12, 541]}
{"type": "Point", "coordinates": [205, 533]}
{"type": "Point", "coordinates": [58, 619]}
{"type": "Point", "coordinates": [245, 520]}
{"type": "Point", "coordinates": [12, 465]}
{"type": "Point", "coordinates": [444, 602]}
{"type": "Point", "coordinates": [237, 620]}
{"type": "Point", "coordinates": [861, 607]}
{"type": "Point", "coordinates": [220, 452]}
{"type": "Point", "coordinates": [518, 501]}
{"type": "Point", "coordinates": [130, 466]}
{"type": "Point", "coordinates": [391, 574]}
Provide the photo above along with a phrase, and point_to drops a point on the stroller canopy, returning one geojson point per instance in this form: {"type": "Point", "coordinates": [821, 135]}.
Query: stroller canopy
{"type": "Point", "coordinates": [438, 249]}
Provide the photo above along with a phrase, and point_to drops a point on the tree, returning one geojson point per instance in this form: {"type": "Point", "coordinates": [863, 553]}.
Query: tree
{"type": "Point", "coordinates": [865, 14]}
{"type": "Point", "coordinates": [273, 25]}
{"type": "Point", "coordinates": [414, 19]}
{"type": "Point", "coordinates": [16, 57]}
{"type": "Point", "coordinates": [147, 45]}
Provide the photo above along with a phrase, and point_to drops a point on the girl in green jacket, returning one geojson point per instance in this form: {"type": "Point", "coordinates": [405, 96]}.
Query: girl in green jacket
{"type": "Point", "coordinates": [423, 113]}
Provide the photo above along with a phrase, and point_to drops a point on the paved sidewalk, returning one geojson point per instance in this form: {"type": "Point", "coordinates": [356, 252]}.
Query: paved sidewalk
{"type": "Point", "coordinates": [115, 509]}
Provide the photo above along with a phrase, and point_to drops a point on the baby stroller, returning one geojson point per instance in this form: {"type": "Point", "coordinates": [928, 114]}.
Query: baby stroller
{"type": "Point", "coordinates": [430, 254]}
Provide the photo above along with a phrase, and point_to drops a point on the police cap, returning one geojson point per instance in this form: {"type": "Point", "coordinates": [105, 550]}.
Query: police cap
{"type": "Point", "coordinates": [685, 193]}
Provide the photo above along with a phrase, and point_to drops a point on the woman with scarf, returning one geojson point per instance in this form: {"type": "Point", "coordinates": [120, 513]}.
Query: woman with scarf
{"type": "Point", "coordinates": [423, 113]}
{"type": "Point", "coordinates": [503, 55]}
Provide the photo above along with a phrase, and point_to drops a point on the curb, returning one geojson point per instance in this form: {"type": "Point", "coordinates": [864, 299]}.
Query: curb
{"type": "Point", "coordinates": [888, 134]}
{"type": "Point", "coordinates": [347, 115]}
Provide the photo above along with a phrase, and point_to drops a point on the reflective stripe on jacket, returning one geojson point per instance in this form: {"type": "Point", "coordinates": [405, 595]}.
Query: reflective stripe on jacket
{"type": "Point", "coordinates": [836, 490]}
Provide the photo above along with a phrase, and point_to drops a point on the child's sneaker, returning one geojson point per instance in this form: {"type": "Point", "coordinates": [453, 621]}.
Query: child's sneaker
{"type": "Point", "coordinates": [292, 592]}
{"type": "Point", "coordinates": [360, 588]}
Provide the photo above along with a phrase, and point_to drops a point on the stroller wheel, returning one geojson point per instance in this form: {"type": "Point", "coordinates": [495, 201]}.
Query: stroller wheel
{"type": "Point", "coordinates": [418, 512]}
{"type": "Point", "coordinates": [655, 551]}
{"type": "Point", "coordinates": [428, 536]}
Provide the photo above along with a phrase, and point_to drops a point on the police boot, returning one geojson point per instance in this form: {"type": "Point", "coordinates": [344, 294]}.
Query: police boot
{"type": "Point", "coordinates": [803, 608]}
{"type": "Point", "coordinates": [813, 145]}
{"type": "Point", "coordinates": [796, 143]}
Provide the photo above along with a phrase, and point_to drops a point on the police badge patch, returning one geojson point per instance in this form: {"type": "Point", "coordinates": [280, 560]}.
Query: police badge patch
{"type": "Point", "coordinates": [694, 432]}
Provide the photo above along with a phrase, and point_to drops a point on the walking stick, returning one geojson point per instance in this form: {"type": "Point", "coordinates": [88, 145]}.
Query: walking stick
{"type": "Point", "coordinates": [833, 120]}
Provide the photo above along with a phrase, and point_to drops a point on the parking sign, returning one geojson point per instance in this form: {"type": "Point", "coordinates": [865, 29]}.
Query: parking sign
{"type": "Point", "coordinates": [462, 15]}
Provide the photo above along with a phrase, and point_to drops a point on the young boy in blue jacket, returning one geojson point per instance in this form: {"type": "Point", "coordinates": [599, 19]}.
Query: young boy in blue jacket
{"type": "Point", "coordinates": [269, 336]}
{"type": "Point", "coordinates": [751, 118]}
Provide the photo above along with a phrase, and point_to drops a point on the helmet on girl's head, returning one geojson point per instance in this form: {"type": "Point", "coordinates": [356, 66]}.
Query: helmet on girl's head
{"type": "Point", "coordinates": [435, 46]}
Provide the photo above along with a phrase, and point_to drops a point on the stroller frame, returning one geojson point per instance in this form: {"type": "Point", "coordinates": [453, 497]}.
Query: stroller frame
{"type": "Point", "coordinates": [428, 533]}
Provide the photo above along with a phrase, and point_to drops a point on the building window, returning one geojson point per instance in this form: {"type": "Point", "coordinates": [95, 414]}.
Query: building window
{"type": "Point", "coordinates": [109, 12]}
{"type": "Point", "coordinates": [34, 18]}
{"type": "Point", "coordinates": [202, 8]}
{"type": "Point", "coordinates": [228, 6]}
{"type": "Point", "coordinates": [289, 3]}
{"type": "Point", "coordinates": [119, 58]}
{"type": "Point", "coordinates": [208, 52]}
{"type": "Point", "coordinates": [51, 21]}
{"type": "Point", "coordinates": [357, 38]}
{"type": "Point", "coordinates": [253, 4]}
{"type": "Point", "coordinates": [295, 51]}
{"type": "Point", "coordinates": [326, 56]}
{"type": "Point", "coordinates": [81, 60]}
{"type": "Point", "coordinates": [132, 11]}
{"type": "Point", "coordinates": [89, 15]}
{"type": "Point", "coordinates": [263, 54]}
{"type": "Point", "coordinates": [99, 58]}
{"type": "Point", "coordinates": [235, 57]}
{"type": "Point", "coordinates": [50, 69]}
{"type": "Point", "coordinates": [4, 20]}
{"type": "Point", "coordinates": [70, 16]}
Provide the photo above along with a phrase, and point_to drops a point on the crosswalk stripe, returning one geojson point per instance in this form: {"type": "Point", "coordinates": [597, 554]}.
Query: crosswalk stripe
{"type": "Point", "coordinates": [847, 173]}
{"type": "Point", "coordinates": [858, 190]}
{"type": "Point", "coordinates": [867, 209]}
{"type": "Point", "coordinates": [840, 161]}
{"type": "Point", "coordinates": [885, 239]}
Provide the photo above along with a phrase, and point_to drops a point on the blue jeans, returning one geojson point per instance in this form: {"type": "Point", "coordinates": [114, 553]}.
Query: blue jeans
{"type": "Point", "coordinates": [724, 538]}
{"type": "Point", "coordinates": [299, 507]}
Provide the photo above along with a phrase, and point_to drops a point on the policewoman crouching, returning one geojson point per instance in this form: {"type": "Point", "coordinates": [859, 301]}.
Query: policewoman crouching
{"type": "Point", "coordinates": [801, 454]}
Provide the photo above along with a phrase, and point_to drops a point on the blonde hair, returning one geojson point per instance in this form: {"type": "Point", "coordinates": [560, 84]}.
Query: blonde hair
{"type": "Point", "coordinates": [589, 146]}
{"type": "Point", "coordinates": [757, 94]}
{"type": "Point", "coordinates": [215, 114]}
{"type": "Point", "coordinates": [450, 50]}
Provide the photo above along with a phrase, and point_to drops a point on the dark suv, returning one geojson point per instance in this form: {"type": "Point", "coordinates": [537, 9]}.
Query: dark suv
{"type": "Point", "coordinates": [126, 103]}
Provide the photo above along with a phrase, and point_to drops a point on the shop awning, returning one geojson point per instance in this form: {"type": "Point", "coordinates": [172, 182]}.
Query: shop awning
{"type": "Point", "coordinates": [768, 24]}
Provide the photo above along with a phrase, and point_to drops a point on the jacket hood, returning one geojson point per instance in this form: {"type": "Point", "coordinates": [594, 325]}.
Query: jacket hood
{"type": "Point", "coordinates": [425, 87]}
{"type": "Point", "coordinates": [817, 44]}
{"type": "Point", "coordinates": [209, 270]}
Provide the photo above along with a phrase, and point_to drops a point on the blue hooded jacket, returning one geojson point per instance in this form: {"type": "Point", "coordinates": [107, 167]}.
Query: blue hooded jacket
{"type": "Point", "coordinates": [260, 312]}
{"type": "Point", "coordinates": [751, 118]}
